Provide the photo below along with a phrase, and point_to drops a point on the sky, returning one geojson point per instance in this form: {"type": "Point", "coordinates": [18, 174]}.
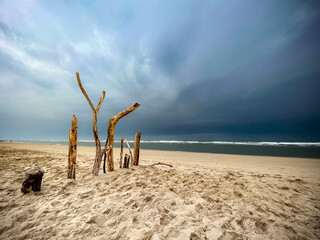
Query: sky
{"type": "Point", "coordinates": [201, 70]}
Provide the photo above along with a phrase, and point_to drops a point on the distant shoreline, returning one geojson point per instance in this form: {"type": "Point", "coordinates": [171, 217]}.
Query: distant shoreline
{"type": "Point", "coordinates": [250, 143]}
{"type": "Point", "coordinates": [276, 149]}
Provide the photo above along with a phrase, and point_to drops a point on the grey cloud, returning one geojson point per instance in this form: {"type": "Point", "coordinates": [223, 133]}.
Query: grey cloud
{"type": "Point", "coordinates": [231, 70]}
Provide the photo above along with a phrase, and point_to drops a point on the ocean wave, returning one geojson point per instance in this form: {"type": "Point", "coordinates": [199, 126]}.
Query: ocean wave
{"type": "Point", "coordinates": [249, 143]}
{"type": "Point", "coordinates": [315, 144]}
{"type": "Point", "coordinates": [303, 144]}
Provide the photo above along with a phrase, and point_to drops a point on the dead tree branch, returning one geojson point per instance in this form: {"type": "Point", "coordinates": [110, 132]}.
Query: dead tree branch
{"type": "Point", "coordinates": [110, 140]}
{"type": "Point", "coordinates": [99, 152]}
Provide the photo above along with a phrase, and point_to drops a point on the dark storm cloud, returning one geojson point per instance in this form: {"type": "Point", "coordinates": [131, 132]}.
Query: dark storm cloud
{"type": "Point", "coordinates": [269, 85]}
{"type": "Point", "coordinates": [217, 69]}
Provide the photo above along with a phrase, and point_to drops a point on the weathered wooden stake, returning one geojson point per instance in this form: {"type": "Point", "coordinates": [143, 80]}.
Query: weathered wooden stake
{"type": "Point", "coordinates": [137, 149]}
{"type": "Point", "coordinates": [110, 140]}
{"type": "Point", "coordinates": [129, 151]}
{"type": "Point", "coordinates": [121, 152]}
{"type": "Point", "coordinates": [72, 148]}
{"type": "Point", "coordinates": [126, 161]}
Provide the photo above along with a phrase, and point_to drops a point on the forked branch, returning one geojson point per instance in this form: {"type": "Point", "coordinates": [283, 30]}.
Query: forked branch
{"type": "Point", "coordinates": [95, 110]}
{"type": "Point", "coordinates": [99, 152]}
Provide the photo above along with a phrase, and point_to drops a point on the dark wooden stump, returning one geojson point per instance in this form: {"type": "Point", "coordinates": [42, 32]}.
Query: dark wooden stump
{"type": "Point", "coordinates": [126, 161]}
{"type": "Point", "coordinates": [32, 180]}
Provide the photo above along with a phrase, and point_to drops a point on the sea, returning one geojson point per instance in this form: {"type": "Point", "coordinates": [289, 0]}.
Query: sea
{"type": "Point", "coordinates": [281, 149]}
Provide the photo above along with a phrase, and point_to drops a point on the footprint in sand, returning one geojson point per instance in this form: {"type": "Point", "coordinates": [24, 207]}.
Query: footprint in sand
{"type": "Point", "coordinates": [261, 227]}
{"type": "Point", "coordinates": [55, 203]}
{"type": "Point", "coordinates": [148, 198]}
{"type": "Point", "coordinates": [162, 209]}
{"type": "Point", "coordinates": [237, 194]}
{"type": "Point", "coordinates": [165, 219]}
{"type": "Point", "coordinates": [99, 220]}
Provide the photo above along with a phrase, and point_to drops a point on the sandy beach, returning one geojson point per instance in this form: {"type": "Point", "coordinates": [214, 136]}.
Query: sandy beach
{"type": "Point", "coordinates": [203, 196]}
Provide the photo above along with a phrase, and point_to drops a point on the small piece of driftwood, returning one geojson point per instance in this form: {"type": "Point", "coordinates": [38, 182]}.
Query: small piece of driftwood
{"type": "Point", "coordinates": [32, 180]}
{"type": "Point", "coordinates": [159, 163]}
{"type": "Point", "coordinates": [129, 151]}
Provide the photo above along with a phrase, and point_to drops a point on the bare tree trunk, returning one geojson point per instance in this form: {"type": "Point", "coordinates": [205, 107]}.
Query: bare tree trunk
{"type": "Point", "coordinates": [111, 126]}
{"type": "Point", "coordinates": [97, 163]}
{"type": "Point", "coordinates": [99, 151]}
{"type": "Point", "coordinates": [121, 152]}
{"type": "Point", "coordinates": [137, 149]}
{"type": "Point", "coordinates": [129, 151]}
{"type": "Point", "coordinates": [72, 148]}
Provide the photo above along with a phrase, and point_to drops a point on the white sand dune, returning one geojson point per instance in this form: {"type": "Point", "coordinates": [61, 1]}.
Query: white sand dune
{"type": "Point", "coordinates": [204, 196]}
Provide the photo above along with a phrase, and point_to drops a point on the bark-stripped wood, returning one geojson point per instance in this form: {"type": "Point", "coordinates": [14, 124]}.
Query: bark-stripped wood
{"type": "Point", "coordinates": [110, 141]}
{"type": "Point", "coordinates": [99, 152]}
{"type": "Point", "coordinates": [137, 149]}
{"type": "Point", "coordinates": [129, 151]}
{"type": "Point", "coordinates": [72, 148]}
{"type": "Point", "coordinates": [121, 152]}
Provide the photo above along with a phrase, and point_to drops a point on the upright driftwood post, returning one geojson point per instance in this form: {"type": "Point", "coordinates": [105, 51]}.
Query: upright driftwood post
{"type": "Point", "coordinates": [129, 151]}
{"type": "Point", "coordinates": [110, 140]}
{"type": "Point", "coordinates": [137, 149]}
{"type": "Point", "coordinates": [121, 152]}
{"type": "Point", "coordinates": [99, 151]}
{"type": "Point", "coordinates": [126, 161]}
{"type": "Point", "coordinates": [72, 148]}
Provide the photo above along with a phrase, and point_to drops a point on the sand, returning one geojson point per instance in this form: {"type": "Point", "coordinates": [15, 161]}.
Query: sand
{"type": "Point", "coordinates": [203, 196]}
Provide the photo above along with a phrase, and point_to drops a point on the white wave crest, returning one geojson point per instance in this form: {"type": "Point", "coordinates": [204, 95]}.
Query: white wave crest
{"type": "Point", "coordinates": [249, 143]}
